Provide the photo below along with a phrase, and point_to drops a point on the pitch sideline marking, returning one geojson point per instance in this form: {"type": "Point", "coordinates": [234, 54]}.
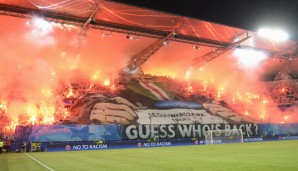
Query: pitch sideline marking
{"type": "Point", "coordinates": [40, 162]}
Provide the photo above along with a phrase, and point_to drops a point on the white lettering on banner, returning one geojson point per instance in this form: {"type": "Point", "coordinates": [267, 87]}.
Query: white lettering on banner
{"type": "Point", "coordinates": [76, 147]}
{"type": "Point", "coordinates": [174, 116]}
{"type": "Point", "coordinates": [184, 131]}
{"type": "Point", "coordinates": [141, 132]}
{"type": "Point", "coordinates": [220, 110]}
{"type": "Point", "coordinates": [227, 127]}
{"type": "Point", "coordinates": [289, 138]}
{"type": "Point", "coordinates": [154, 131]}
{"type": "Point", "coordinates": [205, 128]}
{"type": "Point", "coordinates": [164, 143]}
{"type": "Point", "coordinates": [157, 144]}
{"type": "Point", "coordinates": [171, 130]}
{"type": "Point", "coordinates": [196, 131]}
{"type": "Point", "coordinates": [163, 132]}
{"type": "Point", "coordinates": [242, 126]}
{"type": "Point", "coordinates": [210, 141]}
{"type": "Point", "coordinates": [248, 126]}
{"type": "Point", "coordinates": [131, 132]}
{"type": "Point", "coordinates": [253, 139]}
{"type": "Point", "coordinates": [90, 147]}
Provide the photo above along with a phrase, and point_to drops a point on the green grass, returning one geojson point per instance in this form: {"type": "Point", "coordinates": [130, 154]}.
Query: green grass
{"type": "Point", "coordinates": [274, 155]}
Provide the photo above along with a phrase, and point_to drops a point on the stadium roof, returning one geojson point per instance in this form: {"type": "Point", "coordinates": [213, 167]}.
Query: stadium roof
{"type": "Point", "coordinates": [122, 18]}
{"type": "Point", "coordinates": [139, 19]}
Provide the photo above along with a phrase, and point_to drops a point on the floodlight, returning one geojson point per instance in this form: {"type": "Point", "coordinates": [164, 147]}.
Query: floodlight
{"type": "Point", "coordinates": [249, 57]}
{"type": "Point", "coordinates": [273, 34]}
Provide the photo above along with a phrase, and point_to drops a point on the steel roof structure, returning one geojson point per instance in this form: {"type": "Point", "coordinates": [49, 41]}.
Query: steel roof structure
{"type": "Point", "coordinates": [122, 18]}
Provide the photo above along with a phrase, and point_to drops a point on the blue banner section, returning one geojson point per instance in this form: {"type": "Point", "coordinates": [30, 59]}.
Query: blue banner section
{"type": "Point", "coordinates": [277, 129]}
{"type": "Point", "coordinates": [76, 132]}
{"type": "Point", "coordinates": [49, 133]}
{"type": "Point", "coordinates": [101, 145]}
{"type": "Point", "coordinates": [270, 138]}
{"type": "Point", "coordinates": [76, 146]}
{"type": "Point", "coordinates": [169, 104]}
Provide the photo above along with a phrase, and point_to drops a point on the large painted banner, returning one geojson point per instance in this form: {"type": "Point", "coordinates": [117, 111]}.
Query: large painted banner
{"type": "Point", "coordinates": [143, 102]}
{"type": "Point", "coordinates": [50, 133]}
{"type": "Point", "coordinates": [167, 132]}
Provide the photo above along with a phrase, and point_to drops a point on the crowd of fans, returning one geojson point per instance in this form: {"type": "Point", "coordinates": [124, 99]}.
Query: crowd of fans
{"type": "Point", "coordinates": [283, 92]}
{"type": "Point", "coordinates": [76, 89]}
{"type": "Point", "coordinates": [5, 142]}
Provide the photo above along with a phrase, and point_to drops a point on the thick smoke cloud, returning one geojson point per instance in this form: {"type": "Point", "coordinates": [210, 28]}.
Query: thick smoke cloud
{"type": "Point", "coordinates": [37, 56]}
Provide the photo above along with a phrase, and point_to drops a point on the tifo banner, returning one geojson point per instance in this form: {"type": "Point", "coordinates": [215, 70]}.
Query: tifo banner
{"type": "Point", "coordinates": [142, 102]}
{"type": "Point", "coordinates": [51, 133]}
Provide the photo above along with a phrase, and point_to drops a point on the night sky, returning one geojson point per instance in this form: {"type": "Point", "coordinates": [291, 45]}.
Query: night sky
{"type": "Point", "coordinates": [249, 15]}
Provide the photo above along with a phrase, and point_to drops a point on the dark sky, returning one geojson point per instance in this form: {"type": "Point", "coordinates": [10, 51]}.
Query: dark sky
{"type": "Point", "coordinates": [245, 14]}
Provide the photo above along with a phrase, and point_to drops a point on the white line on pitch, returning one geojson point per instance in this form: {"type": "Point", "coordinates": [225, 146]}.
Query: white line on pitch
{"type": "Point", "coordinates": [39, 162]}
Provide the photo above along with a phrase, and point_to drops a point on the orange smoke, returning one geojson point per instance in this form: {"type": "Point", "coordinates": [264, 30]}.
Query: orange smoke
{"type": "Point", "coordinates": [39, 64]}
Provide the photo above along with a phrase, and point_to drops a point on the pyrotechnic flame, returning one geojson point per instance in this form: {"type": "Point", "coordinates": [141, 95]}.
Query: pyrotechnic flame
{"type": "Point", "coordinates": [107, 82]}
{"type": "Point", "coordinates": [3, 106]}
{"type": "Point", "coordinates": [47, 92]}
{"type": "Point", "coordinates": [70, 93]}
{"type": "Point", "coordinates": [33, 120]}
{"type": "Point", "coordinates": [246, 112]}
{"type": "Point", "coordinates": [95, 76]}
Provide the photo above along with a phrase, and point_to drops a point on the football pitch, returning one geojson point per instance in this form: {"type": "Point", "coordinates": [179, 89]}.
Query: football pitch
{"type": "Point", "coordinates": [274, 155]}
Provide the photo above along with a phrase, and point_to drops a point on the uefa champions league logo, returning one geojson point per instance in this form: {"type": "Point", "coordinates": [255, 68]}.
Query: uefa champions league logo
{"type": "Point", "coordinates": [67, 147]}
{"type": "Point", "coordinates": [139, 145]}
